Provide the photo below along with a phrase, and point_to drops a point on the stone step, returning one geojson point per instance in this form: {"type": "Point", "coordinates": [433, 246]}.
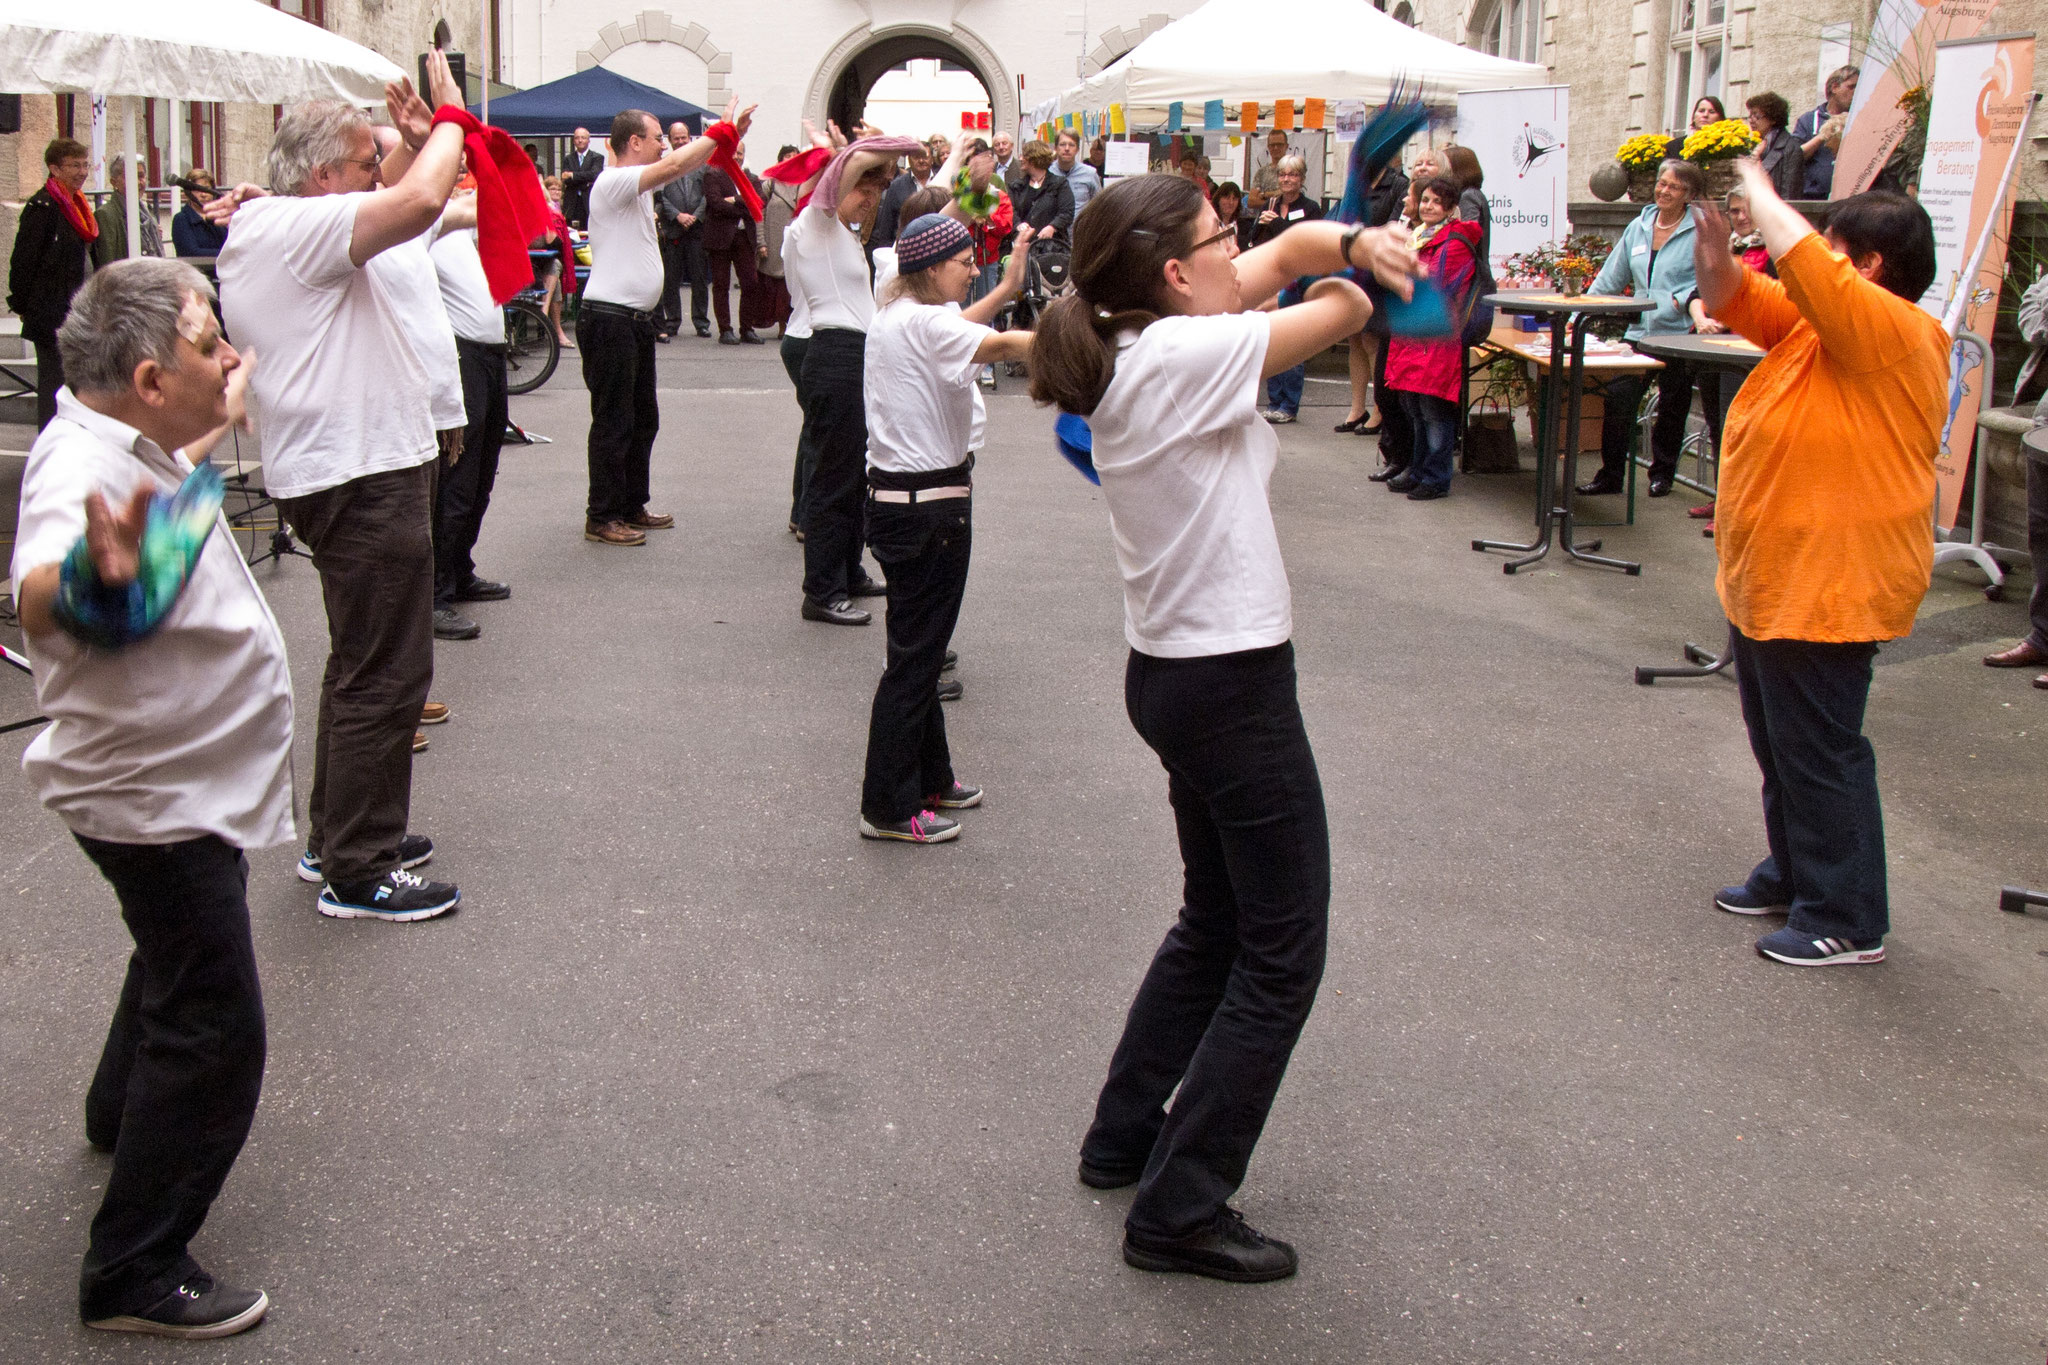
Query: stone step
{"type": "Point", "coordinates": [12, 347]}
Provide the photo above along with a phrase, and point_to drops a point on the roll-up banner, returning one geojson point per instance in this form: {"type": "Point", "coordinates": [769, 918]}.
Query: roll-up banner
{"type": "Point", "coordinates": [1519, 138]}
{"type": "Point", "coordinates": [1981, 96]}
{"type": "Point", "coordinates": [1898, 59]}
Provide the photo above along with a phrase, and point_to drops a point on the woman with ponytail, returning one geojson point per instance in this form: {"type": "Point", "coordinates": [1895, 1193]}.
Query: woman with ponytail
{"type": "Point", "coordinates": [1155, 347]}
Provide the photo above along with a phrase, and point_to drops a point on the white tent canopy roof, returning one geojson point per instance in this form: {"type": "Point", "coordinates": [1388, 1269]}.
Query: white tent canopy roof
{"type": "Point", "coordinates": [242, 50]}
{"type": "Point", "coordinates": [1239, 50]}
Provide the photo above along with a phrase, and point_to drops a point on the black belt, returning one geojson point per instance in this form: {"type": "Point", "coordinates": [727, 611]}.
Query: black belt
{"type": "Point", "coordinates": [487, 347]}
{"type": "Point", "coordinates": [617, 310]}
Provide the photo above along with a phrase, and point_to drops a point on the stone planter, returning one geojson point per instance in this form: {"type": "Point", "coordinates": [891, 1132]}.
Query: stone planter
{"type": "Point", "coordinates": [1720, 177]}
{"type": "Point", "coordinates": [1642, 184]}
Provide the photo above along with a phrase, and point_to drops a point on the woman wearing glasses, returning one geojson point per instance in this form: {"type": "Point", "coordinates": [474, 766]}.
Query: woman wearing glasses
{"type": "Point", "coordinates": [1155, 347]}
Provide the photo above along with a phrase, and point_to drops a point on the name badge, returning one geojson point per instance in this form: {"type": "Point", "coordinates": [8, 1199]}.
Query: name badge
{"type": "Point", "coordinates": [1296, 214]}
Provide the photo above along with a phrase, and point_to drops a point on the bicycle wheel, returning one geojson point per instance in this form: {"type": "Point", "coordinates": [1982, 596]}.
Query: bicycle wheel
{"type": "Point", "coordinates": [531, 348]}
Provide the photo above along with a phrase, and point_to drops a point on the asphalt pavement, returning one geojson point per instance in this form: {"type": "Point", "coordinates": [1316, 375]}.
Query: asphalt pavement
{"type": "Point", "coordinates": [697, 1074]}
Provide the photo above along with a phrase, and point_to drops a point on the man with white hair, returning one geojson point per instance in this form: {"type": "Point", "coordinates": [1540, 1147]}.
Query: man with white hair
{"type": "Point", "coordinates": [579, 173]}
{"type": "Point", "coordinates": [308, 278]}
{"type": "Point", "coordinates": [168, 753]}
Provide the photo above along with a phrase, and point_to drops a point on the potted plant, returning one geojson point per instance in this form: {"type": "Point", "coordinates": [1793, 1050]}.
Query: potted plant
{"type": "Point", "coordinates": [1642, 155]}
{"type": "Point", "coordinates": [1714, 149]}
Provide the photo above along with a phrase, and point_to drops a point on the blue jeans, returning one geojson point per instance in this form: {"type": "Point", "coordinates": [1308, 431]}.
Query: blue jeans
{"type": "Point", "coordinates": [1803, 703]}
{"type": "Point", "coordinates": [1283, 390]}
{"type": "Point", "coordinates": [1435, 423]}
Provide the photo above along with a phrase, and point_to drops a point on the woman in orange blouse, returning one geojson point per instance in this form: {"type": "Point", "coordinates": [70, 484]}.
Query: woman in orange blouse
{"type": "Point", "coordinates": [1823, 529]}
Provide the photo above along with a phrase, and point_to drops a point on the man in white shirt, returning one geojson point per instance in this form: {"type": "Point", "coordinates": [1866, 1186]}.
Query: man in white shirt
{"type": "Point", "coordinates": [168, 753]}
{"type": "Point", "coordinates": [616, 322]}
{"type": "Point", "coordinates": [463, 494]}
{"type": "Point", "coordinates": [348, 452]}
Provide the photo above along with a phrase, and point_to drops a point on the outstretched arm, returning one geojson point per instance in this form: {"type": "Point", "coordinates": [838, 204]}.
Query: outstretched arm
{"type": "Point", "coordinates": [696, 151]}
{"type": "Point", "coordinates": [1317, 249]}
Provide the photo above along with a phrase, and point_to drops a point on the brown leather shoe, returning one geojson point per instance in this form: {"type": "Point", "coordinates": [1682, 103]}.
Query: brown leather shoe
{"type": "Point", "coordinates": [419, 741]}
{"type": "Point", "coordinates": [613, 533]}
{"type": "Point", "coordinates": [2025, 654]}
{"type": "Point", "coordinates": [650, 521]}
{"type": "Point", "coordinates": [434, 713]}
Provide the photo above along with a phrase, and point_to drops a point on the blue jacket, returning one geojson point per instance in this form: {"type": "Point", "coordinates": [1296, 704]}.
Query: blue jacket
{"type": "Point", "coordinates": [1628, 270]}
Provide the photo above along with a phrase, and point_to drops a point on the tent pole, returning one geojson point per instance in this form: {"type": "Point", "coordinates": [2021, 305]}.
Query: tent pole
{"type": "Point", "coordinates": [176, 166]}
{"type": "Point", "coordinates": [129, 177]}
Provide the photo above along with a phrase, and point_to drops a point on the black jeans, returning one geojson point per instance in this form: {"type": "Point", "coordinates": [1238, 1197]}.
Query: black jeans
{"type": "Point", "coordinates": [2037, 547]}
{"type": "Point", "coordinates": [1230, 988]}
{"type": "Point", "coordinates": [924, 549]}
{"type": "Point", "coordinates": [618, 369]}
{"type": "Point", "coordinates": [836, 416]}
{"type": "Point", "coordinates": [1624, 396]}
{"type": "Point", "coordinates": [183, 1064]}
{"type": "Point", "coordinates": [682, 260]}
{"type": "Point", "coordinates": [373, 548]}
{"type": "Point", "coordinates": [1397, 431]}
{"type": "Point", "coordinates": [464, 492]}
{"type": "Point", "coordinates": [49, 379]}
{"type": "Point", "coordinates": [806, 451]}
{"type": "Point", "coordinates": [1803, 703]}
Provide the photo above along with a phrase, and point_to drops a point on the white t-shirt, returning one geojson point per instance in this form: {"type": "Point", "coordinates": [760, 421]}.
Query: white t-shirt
{"type": "Point", "coordinates": [919, 380]}
{"type": "Point", "coordinates": [464, 289]}
{"type": "Point", "coordinates": [885, 271]}
{"type": "Point", "coordinates": [181, 735]}
{"type": "Point", "coordinates": [339, 392]}
{"type": "Point", "coordinates": [407, 272]}
{"type": "Point", "coordinates": [1185, 461]}
{"type": "Point", "coordinates": [824, 266]}
{"type": "Point", "coordinates": [625, 259]}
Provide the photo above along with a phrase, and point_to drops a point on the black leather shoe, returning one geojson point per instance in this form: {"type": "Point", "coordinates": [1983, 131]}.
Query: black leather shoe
{"type": "Point", "coordinates": [1387, 471]}
{"type": "Point", "coordinates": [1660, 488]}
{"type": "Point", "coordinates": [450, 624]}
{"type": "Point", "coordinates": [482, 590]}
{"type": "Point", "coordinates": [1108, 1177]}
{"type": "Point", "coordinates": [839, 612]}
{"type": "Point", "coordinates": [1598, 486]}
{"type": "Point", "coordinates": [867, 587]}
{"type": "Point", "coordinates": [728, 339]}
{"type": "Point", "coordinates": [751, 338]}
{"type": "Point", "coordinates": [1427, 493]}
{"type": "Point", "coordinates": [950, 689]}
{"type": "Point", "coordinates": [952, 661]}
{"type": "Point", "coordinates": [703, 331]}
{"type": "Point", "coordinates": [1401, 482]}
{"type": "Point", "coordinates": [1228, 1249]}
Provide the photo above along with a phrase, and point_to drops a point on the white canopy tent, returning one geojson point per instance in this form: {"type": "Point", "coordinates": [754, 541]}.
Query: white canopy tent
{"type": "Point", "coordinates": [232, 50]}
{"type": "Point", "coordinates": [1265, 50]}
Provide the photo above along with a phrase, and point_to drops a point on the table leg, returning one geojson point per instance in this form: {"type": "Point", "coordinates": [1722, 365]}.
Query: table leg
{"type": "Point", "coordinates": [1546, 460]}
{"type": "Point", "coordinates": [1575, 384]}
{"type": "Point", "coordinates": [1708, 664]}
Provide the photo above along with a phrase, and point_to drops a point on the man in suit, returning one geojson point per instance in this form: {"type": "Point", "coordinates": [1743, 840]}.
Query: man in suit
{"type": "Point", "coordinates": [579, 173]}
{"type": "Point", "coordinates": [679, 214]}
{"type": "Point", "coordinates": [732, 244]}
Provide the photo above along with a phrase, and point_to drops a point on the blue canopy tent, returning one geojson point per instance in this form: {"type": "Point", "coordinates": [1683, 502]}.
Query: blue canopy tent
{"type": "Point", "coordinates": [588, 99]}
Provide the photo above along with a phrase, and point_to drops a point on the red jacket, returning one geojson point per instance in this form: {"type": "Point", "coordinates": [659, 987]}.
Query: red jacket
{"type": "Point", "coordinates": [990, 234]}
{"type": "Point", "coordinates": [1436, 365]}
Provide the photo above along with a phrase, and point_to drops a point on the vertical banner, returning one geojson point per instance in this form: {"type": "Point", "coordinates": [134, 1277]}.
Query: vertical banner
{"type": "Point", "coordinates": [1982, 93]}
{"type": "Point", "coordinates": [99, 142]}
{"type": "Point", "coordinates": [1899, 58]}
{"type": "Point", "coordinates": [1519, 138]}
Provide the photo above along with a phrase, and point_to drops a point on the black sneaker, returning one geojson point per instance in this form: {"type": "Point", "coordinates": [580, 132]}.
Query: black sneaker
{"type": "Point", "coordinates": [413, 850]}
{"type": "Point", "coordinates": [959, 797]}
{"type": "Point", "coordinates": [195, 1310]}
{"type": "Point", "coordinates": [397, 895]}
{"type": "Point", "coordinates": [1228, 1249]}
{"type": "Point", "coordinates": [950, 689]}
{"type": "Point", "coordinates": [482, 590]}
{"type": "Point", "coordinates": [925, 827]}
{"type": "Point", "coordinates": [450, 624]}
{"type": "Point", "coordinates": [952, 661]}
{"type": "Point", "coordinates": [839, 612]}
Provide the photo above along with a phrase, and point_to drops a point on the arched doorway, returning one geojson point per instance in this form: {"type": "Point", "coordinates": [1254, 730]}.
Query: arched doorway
{"type": "Point", "coordinates": [844, 79]}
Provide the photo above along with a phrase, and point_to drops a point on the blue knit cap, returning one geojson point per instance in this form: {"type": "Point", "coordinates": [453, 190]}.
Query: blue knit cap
{"type": "Point", "coordinates": [927, 241]}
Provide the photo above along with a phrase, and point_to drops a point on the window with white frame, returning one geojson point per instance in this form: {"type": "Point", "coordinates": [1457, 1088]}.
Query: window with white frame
{"type": "Point", "coordinates": [1513, 29]}
{"type": "Point", "coordinates": [1699, 44]}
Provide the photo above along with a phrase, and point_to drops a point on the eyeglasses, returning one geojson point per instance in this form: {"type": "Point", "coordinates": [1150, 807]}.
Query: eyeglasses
{"type": "Point", "coordinates": [1228, 234]}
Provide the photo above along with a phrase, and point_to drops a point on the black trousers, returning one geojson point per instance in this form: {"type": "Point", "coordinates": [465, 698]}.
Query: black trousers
{"type": "Point", "coordinates": [923, 548]}
{"type": "Point", "coordinates": [2037, 548]}
{"type": "Point", "coordinates": [836, 416]}
{"type": "Point", "coordinates": [1230, 988]}
{"type": "Point", "coordinates": [737, 259]}
{"type": "Point", "coordinates": [793, 349]}
{"type": "Point", "coordinates": [1803, 703]}
{"type": "Point", "coordinates": [182, 1067]}
{"type": "Point", "coordinates": [618, 369]}
{"type": "Point", "coordinates": [1624, 396]}
{"type": "Point", "coordinates": [1397, 432]}
{"type": "Point", "coordinates": [464, 492]}
{"type": "Point", "coordinates": [682, 260]}
{"type": "Point", "coordinates": [372, 545]}
{"type": "Point", "coordinates": [49, 379]}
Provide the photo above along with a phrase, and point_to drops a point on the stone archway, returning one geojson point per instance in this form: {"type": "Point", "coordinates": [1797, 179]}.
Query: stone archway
{"type": "Point", "coordinates": [858, 60]}
{"type": "Point", "coordinates": [1113, 43]}
{"type": "Point", "coordinates": [658, 26]}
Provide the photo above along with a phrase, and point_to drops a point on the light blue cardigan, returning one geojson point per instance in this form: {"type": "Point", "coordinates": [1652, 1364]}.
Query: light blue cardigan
{"type": "Point", "coordinates": [1628, 267]}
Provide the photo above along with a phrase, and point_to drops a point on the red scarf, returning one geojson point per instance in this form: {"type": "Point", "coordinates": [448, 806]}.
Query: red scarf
{"type": "Point", "coordinates": [726, 158]}
{"type": "Point", "coordinates": [560, 227]}
{"type": "Point", "coordinates": [800, 169]}
{"type": "Point", "coordinates": [511, 207]}
{"type": "Point", "coordinates": [76, 211]}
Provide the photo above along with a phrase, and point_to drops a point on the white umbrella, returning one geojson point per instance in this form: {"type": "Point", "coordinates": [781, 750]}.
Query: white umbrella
{"type": "Point", "coordinates": [230, 50]}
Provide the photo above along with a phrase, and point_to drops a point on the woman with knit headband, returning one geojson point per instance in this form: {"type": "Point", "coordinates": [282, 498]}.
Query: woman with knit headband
{"type": "Point", "coordinates": [923, 353]}
{"type": "Point", "coordinates": [1155, 347]}
{"type": "Point", "coordinates": [827, 273]}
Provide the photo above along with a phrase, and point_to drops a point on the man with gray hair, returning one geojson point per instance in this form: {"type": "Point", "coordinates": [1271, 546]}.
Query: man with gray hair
{"type": "Point", "coordinates": [168, 753]}
{"type": "Point", "coordinates": [348, 452]}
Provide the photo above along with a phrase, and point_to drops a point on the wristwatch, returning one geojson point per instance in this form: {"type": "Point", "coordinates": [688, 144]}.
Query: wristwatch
{"type": "Point", "coordinates": [1349, 240]}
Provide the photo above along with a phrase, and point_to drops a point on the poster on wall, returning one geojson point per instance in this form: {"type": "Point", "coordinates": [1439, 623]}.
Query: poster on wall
{"type": "Point", "coordinates": [1310, 144]}
{"type": "Point", "coordinates": [1899, 60]}
{"type": "Point", "coordinates": [1982, 94]}
{"type": "Point", "coordinates": [1519, 138]}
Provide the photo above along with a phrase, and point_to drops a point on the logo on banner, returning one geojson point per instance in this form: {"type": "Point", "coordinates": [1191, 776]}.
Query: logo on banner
{"type": "Point", "coordinates": [1532, 145]}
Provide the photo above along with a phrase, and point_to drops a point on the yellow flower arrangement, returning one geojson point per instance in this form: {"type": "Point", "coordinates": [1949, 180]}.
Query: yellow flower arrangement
{"type": "Point", "coordinates": [1730, 137]}
{"type": "Point", "coordinates": [1644, 149]}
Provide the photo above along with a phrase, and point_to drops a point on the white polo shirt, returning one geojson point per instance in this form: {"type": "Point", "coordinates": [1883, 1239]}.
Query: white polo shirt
{"type": "Point", "coordinates": [465, 289]}
{"type": "Point", "coordinates": [407, 271]}
{"type": "Point", "coordinates": [181, 735]}
{"type": "Point", "coordinates": [339, 391]}
{"type": "Point", "coordinates": [1185, 462]}
{"type": "Point", "coordinates": [823, 264]}
{"type": "Point", "coordinates": [625, 259]}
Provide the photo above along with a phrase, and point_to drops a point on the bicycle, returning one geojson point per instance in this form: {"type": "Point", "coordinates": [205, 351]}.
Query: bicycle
{"type": "Point", "coordinates": [532, 350]}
